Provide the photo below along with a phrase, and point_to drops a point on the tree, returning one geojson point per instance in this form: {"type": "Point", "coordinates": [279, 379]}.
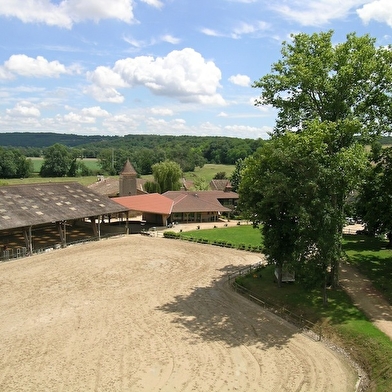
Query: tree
{"type": "Point", "coordinates": [167, 175]}
{"type": "Point", "coordinates": [316, 79]}
{"type": "Point", "coordinates": [220, 176]}
{"type": "Point", "coordinates": [344, 89]}
{"type": "Point", "coordinates": [373, 203]}
{"type": "Point", "coordinates": [13, 164]}
{"type": "Point", "coordinates": [236, 176]}
{"type": "Point", "coordinates": [57, 161]}
{"type": "Point", "coordinates": [292, 185]}
{"type": "Point", "coordinates": [112, 160]}
{"type": "Point", "coordinates": [200, 184]}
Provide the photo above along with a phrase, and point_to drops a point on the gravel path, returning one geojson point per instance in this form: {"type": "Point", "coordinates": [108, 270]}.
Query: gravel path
{"type": "Point", "coordinates": [367, 298]}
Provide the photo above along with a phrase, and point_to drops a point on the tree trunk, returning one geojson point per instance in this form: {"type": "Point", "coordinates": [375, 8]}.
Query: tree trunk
{"type": "Point", "coordinates": [325, 296]}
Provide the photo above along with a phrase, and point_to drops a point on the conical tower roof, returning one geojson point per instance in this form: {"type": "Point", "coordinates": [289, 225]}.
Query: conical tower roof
{"type": "Point", "coordinates": [128, 168]}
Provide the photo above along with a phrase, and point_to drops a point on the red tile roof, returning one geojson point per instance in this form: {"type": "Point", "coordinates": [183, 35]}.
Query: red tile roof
{"type": "Point", "coordinates": [152, 203]}
{"type": "Point", "coordinates": [202, 201]}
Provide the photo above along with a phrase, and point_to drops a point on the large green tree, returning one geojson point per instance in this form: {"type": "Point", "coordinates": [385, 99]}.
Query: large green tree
{"type": "Point", "coordinates": [167, 175]}
{"type": "Point", "coordinates": [13, 164]}
{"type": "Point", "coordinates": [318, 79]}
{"type": "Point", "coordinates": [57, 161]}
{"type": "Point", "coordinates": [344, 90]}
{"type": "Point", "coordinates": [292, 185]}
{"type": "Point", "coordinates": [112, 161]}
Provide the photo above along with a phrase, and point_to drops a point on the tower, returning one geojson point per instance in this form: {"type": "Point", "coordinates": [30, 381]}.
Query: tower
{"type": "Point", "coordinates": [127, 182]}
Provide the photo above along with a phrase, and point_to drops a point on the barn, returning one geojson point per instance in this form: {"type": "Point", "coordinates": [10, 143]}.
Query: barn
{"type": "Point", "coordinates": [39, 216]}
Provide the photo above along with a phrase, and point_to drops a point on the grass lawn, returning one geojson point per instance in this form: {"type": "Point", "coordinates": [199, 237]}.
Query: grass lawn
{"type": "Point", "coordinates": [341, 321]}
{"type": "Point", "coordinates": [91, 163]}
{"type": "Point", "coordinates": [208, 171]}
{"type": "Point", "coordinates": [238, 235]}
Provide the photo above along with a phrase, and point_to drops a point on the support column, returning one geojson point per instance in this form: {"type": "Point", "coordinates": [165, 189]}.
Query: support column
{"type": "Point", "coordinates": [27, 233]}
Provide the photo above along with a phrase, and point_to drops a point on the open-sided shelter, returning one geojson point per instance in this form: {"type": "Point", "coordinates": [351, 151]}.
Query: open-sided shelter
{"type": "Point", "coordinates": [59, 206]}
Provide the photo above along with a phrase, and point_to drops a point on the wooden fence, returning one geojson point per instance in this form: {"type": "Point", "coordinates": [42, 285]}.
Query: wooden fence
{"type": "Point", "coordinates": [312, 330]}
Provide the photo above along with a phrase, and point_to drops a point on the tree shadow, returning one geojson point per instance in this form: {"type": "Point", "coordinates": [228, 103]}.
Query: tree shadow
{"type": "Point", "coordinates": [215, 313]}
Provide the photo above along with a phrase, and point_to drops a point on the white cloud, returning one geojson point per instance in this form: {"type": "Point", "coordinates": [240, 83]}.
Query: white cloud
{"type": "Point", "coordinates": [222, 114]}
{"type": "Point", "coordinates": [378, 10]}
{"type": "Point", "coordinates": [245, 131]}
{"type": "Point", "coordinates": [210, 32]}
{"type": "Point", "coordinates": [170, 39]}
{"type": "Point", "coordinates": [316, 13]}
{"type": "Point", "coordinates": [184, 75]}
{"type": "Point", "coordinates": [248, 28]}
{"type": "Point", "coordinates": [237, 32]}
{"type": "Point", "coordinates": [140, 44]}
{"type": "Point", "coordinates": [162, 112]}
{"type": "Point", "coordinates": [154, 3]}
{"type": "Point", "coordinates": [67, 12]}
{"type": "Point", "coordinates": [39, 67]}
{"type": "Point", "coordinates": [24, 109]}
{"type": "Point", "coordinates": [95, 111]}
{"type": "Point", "coordinates": [104, 94]}
{"type": "Point", "coordinates": [106, 77]}
{"type": "Point", "coordinates": [240, 80]}
{"type": "Point", "coordinates": [79, 118]}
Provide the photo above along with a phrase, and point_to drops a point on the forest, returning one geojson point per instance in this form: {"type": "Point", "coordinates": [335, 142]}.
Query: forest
{"type": "Point", "coordinates": [112, 151]}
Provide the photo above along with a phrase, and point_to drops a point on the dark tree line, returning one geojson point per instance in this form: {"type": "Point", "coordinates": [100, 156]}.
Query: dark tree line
{"type": "Point", "coordinates": [144, 151]}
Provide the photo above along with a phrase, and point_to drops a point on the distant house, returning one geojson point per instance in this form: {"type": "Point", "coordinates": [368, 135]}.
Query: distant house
{"type": "Point", "coordinates": [200, 206]}
{"type": "Point", "coordinates": [221, 185]}
{"type": "Point", "coordinates": [153, 207]}
{"type": "Point", "coordinates": [180, 206]}
{"type": "Point", "coordinates": [173, 206]}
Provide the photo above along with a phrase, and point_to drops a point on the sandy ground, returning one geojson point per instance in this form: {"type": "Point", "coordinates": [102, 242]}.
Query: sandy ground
{"type": "Point", "coordinates": [149, 314]}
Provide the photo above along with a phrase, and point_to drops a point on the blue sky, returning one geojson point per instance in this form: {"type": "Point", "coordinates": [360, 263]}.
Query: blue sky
{"type": "Point", "coordinates": [168, 67]}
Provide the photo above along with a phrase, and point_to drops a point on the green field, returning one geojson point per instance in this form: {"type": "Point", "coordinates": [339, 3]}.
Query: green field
{"type": "Point", "coordinates": [207, 172]}
{"type": "Point", "coordinates": [91, 163]}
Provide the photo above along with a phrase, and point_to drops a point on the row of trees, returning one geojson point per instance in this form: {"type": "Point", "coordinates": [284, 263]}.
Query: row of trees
{"type": "Point", "coordinates": [332, 100]}
{"type": "Point", "coordinates": [188, 151]}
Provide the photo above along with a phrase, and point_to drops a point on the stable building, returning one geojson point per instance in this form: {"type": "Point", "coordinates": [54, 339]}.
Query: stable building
{"type": "Point", "coordinates": [35, 215]}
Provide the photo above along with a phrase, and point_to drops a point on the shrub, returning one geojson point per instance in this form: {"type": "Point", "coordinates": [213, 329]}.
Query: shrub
{"type": "Point", "coordinates": [171, 234]}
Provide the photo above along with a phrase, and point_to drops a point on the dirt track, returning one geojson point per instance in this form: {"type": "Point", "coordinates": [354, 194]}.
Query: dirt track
{"type": "Point", "coordinates": [149, 314]}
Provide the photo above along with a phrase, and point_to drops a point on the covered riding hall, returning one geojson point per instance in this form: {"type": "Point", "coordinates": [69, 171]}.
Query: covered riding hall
{"type": "Point", "coordinates": [38, 217]}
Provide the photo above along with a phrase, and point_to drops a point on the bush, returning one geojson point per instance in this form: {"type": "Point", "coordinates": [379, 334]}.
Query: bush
{"type": "Point", "coordinates": [171, 234]}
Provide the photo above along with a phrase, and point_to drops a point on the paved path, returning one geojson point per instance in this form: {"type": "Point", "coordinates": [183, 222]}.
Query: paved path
{"type": "Point", "coordinates": [367, 298]}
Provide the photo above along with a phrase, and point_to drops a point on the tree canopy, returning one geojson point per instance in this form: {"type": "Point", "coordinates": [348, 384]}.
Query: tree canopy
{"type": "Point", "coordinates": [330, 98]}
{"type": "Point", "coordinates": [316, 79]}
{"type": "Point", "coordinates": [57, 161]}
{"type": "Point", "coordinates": [167, 175]}
{"type": "Point", "coordinates": [13, 164]}
{"type": "Point", "coordinates": [293, 185]}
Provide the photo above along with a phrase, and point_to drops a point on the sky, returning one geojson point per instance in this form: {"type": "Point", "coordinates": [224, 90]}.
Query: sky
{"type": "Point", "coordinates": [163, 67]}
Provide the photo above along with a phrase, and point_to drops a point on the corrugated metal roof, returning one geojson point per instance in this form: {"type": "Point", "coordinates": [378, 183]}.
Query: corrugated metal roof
{"type": "Point", "coordinates": [36, 204]}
